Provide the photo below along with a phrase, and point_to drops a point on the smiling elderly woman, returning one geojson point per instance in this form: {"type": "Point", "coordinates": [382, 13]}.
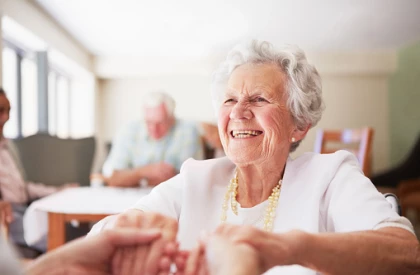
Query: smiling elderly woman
{"type": "Point", "coordinates": [267, 99]}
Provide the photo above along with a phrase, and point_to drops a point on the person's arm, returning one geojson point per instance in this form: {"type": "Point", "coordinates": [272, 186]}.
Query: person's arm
{"type": "Point", "coordinates": [385, 251]}
{"type": "Point", "coordinates": [119, 157]}
{"type": "Point", "coordinates": [40, 190]}
{"type": "Point", "coordinates": [369, 236]}
{"type": "Point", "coordinates": [126, 177]}
{"type": "Point", "coordinates": [91, 255]}
{"type": "Point", "coordinates": [154, 174]}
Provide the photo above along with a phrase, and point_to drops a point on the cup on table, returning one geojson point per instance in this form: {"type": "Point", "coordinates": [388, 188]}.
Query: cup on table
{"type": "Point", "coordinates": [97, 180]}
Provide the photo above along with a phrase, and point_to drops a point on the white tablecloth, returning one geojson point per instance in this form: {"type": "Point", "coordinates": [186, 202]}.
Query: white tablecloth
{"type": "Point", "coordinates": [82, 200]}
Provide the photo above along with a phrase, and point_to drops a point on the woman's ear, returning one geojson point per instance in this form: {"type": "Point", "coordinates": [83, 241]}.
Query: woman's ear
{"type": "Point", "coordinates": [299, 134]}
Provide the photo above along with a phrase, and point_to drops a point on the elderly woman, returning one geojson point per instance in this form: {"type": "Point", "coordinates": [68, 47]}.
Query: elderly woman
{"type": "Point", "coordinates": [316, 213]}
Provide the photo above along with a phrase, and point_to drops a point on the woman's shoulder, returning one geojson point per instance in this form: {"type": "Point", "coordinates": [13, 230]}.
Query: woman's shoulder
{"type": "Point", "coordinates": [324, 162]}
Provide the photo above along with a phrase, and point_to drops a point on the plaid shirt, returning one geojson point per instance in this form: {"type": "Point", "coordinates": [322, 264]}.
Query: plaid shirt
{"type": "Point", "coordinates": [132, 147]}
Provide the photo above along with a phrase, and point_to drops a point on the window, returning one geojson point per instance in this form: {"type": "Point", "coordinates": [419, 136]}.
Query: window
{"type": "Point", "coordinates": [52, 103]}
{"type": "Point", "coordinates": [10, 86]}
{"type": "Point", "coordinates": [62, 108]}
{"type": "Point", "coordinates": [29, 97]}
{"type": "Point", "coordinates": [69, 103]}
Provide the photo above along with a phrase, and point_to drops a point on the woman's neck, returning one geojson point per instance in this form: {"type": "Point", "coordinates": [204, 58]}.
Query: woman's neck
{"type": "Point", "coordinates": [256, 182]}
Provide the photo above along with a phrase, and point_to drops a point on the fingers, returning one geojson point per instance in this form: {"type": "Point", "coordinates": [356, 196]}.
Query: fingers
{"type": "Point", "coordinates": [141, 253]}
{"type": "Point", "coordinates": [130, 237]}
{"type": "Point", "coordinates": [154, 256]}
{"type": "Point", "coordinates": [117, 261]}
{"type": "Point", "coordinates": [180, 260]}
{"type": "Point", "coordinates": [165, 263]}
{"type": "Point", "coordinates": [128, 261]}
{"type": "Point", "coordinates": [193, 261]}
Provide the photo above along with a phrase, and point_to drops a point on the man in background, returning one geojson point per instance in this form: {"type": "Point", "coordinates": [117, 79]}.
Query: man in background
{"type": "Point", "coordinates": [152, 150]}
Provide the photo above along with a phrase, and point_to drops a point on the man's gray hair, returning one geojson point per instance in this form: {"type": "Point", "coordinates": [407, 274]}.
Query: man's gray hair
{"type": "Point", "coordinates": [303, 86]}
{"type": "Point", "coordinates": [154, 99]}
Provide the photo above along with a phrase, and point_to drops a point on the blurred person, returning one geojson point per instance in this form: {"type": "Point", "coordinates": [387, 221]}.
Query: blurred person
{"type": "Point", "coordinates": [316, 214]}
{"type": "Point", "coordinates": [13, 187]}
{"type": "Point", "coordinates": [150, 151]}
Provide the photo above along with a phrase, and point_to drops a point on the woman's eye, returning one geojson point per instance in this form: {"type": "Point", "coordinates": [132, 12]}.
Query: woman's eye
{"type": "Point", "coordinates": [228, 100]}
{"type": "Point", "coordinates": [260, 99]}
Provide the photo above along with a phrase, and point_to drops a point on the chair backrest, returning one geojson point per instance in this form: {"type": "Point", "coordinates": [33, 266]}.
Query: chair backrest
{"type": "Point", "coordinates": [55, 161]}
{"type": "Point", "coordinates": [357, 141]}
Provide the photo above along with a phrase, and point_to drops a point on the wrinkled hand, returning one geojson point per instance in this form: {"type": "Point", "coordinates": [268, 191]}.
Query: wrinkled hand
{"type": "Point", "coordinates": [158, 172]}
{"type": "Point", "coordinates": [222, 256]}
{"type": "Point", "coordinates": [92, 255]}
{"type": "Point", "coordinates": [150, 259]}
{"type": "Point", "coordinates": [6, 215]}
{"type": "Point", "coordinates": [273, 249]}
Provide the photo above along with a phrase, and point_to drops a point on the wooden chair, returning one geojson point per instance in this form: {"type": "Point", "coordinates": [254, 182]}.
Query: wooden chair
{"type": "Point", "coordinates": [357, 141]}
{"type": "Point", "coordinates": [409, 193]}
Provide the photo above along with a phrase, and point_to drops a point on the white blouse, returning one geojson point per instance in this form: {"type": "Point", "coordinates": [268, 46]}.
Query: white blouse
{"type": "Point", "coordinates": [320, 193]}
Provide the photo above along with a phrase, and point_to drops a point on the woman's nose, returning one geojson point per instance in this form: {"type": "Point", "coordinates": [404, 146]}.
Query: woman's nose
{"type": "Point", "coordinates": [240, 111]}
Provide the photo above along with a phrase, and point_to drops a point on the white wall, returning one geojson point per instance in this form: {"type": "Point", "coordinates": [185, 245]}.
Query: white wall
{"type": "Point", "coordinates": [355, 88]}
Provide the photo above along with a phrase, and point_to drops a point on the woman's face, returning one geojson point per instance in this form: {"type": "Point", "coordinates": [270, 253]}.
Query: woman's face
{"type": "Point", "coordinates": [254, 123]}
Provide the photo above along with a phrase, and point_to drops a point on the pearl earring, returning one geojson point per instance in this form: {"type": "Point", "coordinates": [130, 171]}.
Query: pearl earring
{"type": "Point", "coordinates": [293, 139]}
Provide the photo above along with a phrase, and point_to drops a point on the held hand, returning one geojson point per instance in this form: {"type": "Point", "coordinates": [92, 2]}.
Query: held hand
{"type": "Point", "coordinates": [273, 249]}
{"type": "Point", "coordinates": [154, 258]}
{"type": "Point", "coordinates": [222, 256]}
{"type": "Point", "coordinates": [92, 255]}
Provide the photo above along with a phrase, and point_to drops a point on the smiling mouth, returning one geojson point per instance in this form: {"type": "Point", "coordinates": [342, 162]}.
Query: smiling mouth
{"type": "Point", "coordinates": [245, 133]}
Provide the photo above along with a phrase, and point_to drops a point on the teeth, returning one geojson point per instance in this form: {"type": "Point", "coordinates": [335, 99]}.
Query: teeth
{"type": "Point", "coordinates": [245, 134]}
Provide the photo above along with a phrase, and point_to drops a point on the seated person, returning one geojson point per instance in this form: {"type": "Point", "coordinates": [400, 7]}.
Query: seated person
{"type": "Point", "coordinates": [13, 187]}
{"type": "Point", "coordinates": [316, 214]}
{"type": "Point", "coordinates": [152, 150]}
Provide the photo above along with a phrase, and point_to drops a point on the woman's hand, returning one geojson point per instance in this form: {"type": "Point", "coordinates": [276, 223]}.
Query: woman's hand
{"type": "Point", "coordinates": [273, 249]}
{"type": "Point", "coordinates": [154, 258]}
{"type": "Point", "coordinates": [91, 255]}
{"type": "Point", "coordinates": [222, 256]}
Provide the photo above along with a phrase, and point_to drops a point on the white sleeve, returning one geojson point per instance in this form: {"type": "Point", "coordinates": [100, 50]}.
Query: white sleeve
{"type": "Point", "coordinates": [166, 198]}
{"type": "Point", "coordinates": [355, 204]}
{"type": "Point", "coordinates": [101, 225]}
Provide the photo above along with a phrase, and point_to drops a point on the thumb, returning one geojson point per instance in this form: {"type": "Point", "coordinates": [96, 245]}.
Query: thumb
{"type": "Point", "coordinates": [130, 236]}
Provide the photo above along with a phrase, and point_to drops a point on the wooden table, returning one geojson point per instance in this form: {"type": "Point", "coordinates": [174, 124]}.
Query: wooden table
{"type": "Point", "coordinates": [84, 204]}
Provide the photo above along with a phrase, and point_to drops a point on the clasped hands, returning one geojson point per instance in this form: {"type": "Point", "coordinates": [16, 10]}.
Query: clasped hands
{"type": "Point", "coordinates": [137, 242]}
{"type": "Point", "coordinates": [229, 250]}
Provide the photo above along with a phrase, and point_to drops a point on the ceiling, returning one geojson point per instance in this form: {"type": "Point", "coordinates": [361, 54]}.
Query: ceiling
{"type": "Point", "coordinates": [192, 28]}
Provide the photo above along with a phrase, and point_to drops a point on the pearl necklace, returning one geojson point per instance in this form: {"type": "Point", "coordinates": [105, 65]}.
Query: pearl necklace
{"type": "Point", "coordinates": [270, 211]}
